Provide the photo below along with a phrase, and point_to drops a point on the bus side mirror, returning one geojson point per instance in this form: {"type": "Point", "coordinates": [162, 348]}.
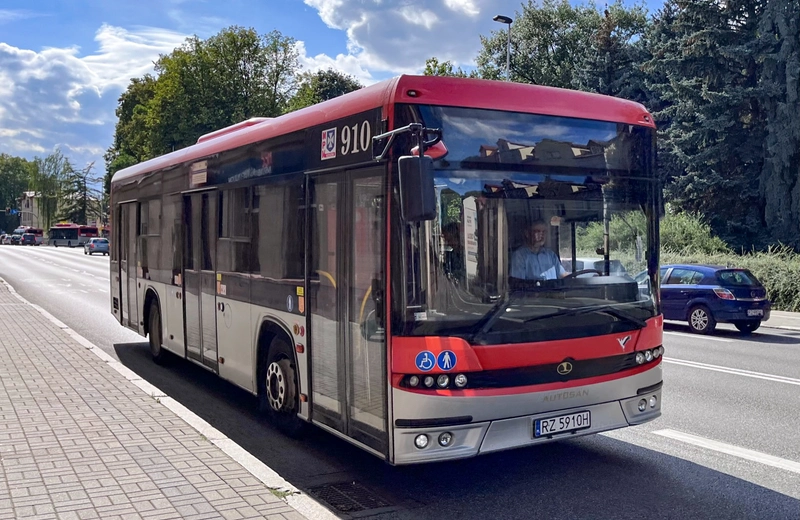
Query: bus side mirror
{"type": "Point", "coordinates": [417, 194]}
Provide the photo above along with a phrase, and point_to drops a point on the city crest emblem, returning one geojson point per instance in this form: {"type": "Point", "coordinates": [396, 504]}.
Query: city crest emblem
{"type": "Point", "coordinates": [328, 144]}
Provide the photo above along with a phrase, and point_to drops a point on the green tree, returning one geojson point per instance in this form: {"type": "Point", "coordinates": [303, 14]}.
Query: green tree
{"type": "Point", "coordinates": [321, 86]}
{"type": "Point", "coordinates": [434, 67]}
{"type": "Point", "coordinates": [46, 180]}
{"type": "Point", "coordinates": [716, 129]}
{"type": "Point", "coordinates": [548, 42]}
{"type": "Point", "coordinates": [131, 144]}
{"type": "Point", "coordinates": [80, 203]}
{"type": "Point", "coordinates": [779, 36]}
{"type": "Point", "coordinates": [203, 86]}
{"type": "Point", "coordinates": [14, 175]}
{"type": "Point", "coordinates": [612, 63]}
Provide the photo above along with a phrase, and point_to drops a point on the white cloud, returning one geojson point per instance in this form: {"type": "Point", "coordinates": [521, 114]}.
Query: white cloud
{"type": "Point", "coordinates": [57, 97]}
{"type": "Point", "coordinates": [13, 15]}
{"type": "Point", "coordinates": [397, 36]}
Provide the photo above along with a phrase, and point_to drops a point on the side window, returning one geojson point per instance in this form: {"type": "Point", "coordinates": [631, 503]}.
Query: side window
{"type": "Point", "coordinates": [279, 231]}
{"type": "Point", "coordinates": [234, 246]}
{"type": "Point", "coordinates": [680, 277]}
{"type": "Point", "coordinates": [697, 278]}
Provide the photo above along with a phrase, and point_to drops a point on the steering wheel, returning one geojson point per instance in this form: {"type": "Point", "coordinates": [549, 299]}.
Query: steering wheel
{"type": "Point", "coordinates": [584, 271]}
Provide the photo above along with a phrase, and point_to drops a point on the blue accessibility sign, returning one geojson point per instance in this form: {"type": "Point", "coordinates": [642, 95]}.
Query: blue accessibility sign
{"type": "Point", "coordinates": [447, 360]}
{"type": "Point", "coordinates": [425, 361]}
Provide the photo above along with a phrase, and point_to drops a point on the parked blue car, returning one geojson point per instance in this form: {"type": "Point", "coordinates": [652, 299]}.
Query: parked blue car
{"type": "Point", "coordinates": [704, 295]}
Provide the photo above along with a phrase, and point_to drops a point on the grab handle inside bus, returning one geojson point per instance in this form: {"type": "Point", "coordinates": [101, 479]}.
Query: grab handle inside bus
{"type": "Point", "coordinates": [417, 193]}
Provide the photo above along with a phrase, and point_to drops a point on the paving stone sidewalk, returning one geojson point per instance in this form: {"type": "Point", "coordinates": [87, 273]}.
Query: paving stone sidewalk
{"type": "Point", "coordinates": [79, 440]}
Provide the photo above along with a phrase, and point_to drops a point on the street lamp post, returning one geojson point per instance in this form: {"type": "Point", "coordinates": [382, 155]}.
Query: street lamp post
{"type": "Point", "coordinates": [505, 19]}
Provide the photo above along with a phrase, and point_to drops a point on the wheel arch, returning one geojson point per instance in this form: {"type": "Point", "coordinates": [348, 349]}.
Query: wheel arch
{"type": "Point", "coordinates": [150, 297]}
{"type": "Point", "coordinates": [269, 329]}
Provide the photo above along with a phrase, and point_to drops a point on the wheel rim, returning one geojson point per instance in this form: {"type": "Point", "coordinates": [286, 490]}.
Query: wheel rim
{"type": "Point", "coordinates": [276, 386]}
{"type": "Point", "coordinates": [699, 319]}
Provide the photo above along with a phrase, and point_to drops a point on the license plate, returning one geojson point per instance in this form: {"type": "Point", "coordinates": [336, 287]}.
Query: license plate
{"type": "Point", "coordinates": [562, 424]}
{"type": "Point", "coordinates": [755, 312]}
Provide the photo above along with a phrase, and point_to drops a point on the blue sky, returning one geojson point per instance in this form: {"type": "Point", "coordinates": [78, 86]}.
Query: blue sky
{"type": "Point", "coordinates": [64, 63]}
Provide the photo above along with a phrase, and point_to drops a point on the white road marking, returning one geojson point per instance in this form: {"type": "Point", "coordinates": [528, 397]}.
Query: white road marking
{"type": "Point", "coordinates": [730, 449]}
{"type": "Point", "coordinates": [734, 371]}
{"type": "Point", "coordinates": [696, 336]}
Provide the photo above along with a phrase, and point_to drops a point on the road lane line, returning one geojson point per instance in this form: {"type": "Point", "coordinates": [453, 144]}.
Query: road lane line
{"type": "Point", "coordinates": [695, 336]}
{"type": "Point", "coordinates": [734, 371]}
{"type": "Point", "coordinates": [730, 449]}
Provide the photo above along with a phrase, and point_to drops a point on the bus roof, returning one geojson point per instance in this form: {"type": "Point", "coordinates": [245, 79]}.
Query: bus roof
{"type": "Point", "coordinates": [428, 90]}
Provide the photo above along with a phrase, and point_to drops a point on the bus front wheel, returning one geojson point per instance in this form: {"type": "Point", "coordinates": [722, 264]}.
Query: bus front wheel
{"type": "Point", "coordinates": [278, 395]}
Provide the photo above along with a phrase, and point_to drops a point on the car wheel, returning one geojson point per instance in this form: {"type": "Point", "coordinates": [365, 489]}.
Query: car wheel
{"type": "Point", "coordinates": [746, 327]}
{"type": "Point", "coordinates": [278, 394]}
{"type": "Point", "coordinates": [154, 335]}
{"type": "Point", "coordinates": [701, 320]}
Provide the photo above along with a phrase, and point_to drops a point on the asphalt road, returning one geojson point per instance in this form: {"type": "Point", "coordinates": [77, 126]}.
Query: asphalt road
{"type": "Point", "coordinates": [726, 447]}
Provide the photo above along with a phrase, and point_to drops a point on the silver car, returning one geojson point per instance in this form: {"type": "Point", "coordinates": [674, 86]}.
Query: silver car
{"type": "Point", "coordinates": [96, 245]}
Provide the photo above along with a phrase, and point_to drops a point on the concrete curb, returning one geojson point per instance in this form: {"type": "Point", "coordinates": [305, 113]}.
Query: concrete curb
{"type": "Point", "coordinates": [300, 501]}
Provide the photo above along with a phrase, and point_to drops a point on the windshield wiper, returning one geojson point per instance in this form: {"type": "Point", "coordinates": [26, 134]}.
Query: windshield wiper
{"type": "Point", "coordinates": [608, 309]}
{"type": "Point", "coordinates": [487, 322]}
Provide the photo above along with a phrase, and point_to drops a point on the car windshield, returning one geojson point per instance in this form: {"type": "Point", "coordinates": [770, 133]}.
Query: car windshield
{"type": "Point", "coordinates": [738, 277]}
{"type": "Point", "coordinates": [540, 219]}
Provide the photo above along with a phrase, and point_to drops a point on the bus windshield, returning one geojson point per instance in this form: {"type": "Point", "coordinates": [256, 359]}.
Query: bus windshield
{"type": "Point", "coordinates": [536, 239]}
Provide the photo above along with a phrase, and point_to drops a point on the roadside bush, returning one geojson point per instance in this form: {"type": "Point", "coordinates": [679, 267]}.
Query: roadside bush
{"type": "Point", "coordinates": [679, 232]}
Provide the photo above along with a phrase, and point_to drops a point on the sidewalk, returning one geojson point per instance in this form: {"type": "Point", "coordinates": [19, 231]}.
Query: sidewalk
{"type": "Point", "coordinates": [783, 320]}
{"type": "Point", "coordinates": [81, 436]}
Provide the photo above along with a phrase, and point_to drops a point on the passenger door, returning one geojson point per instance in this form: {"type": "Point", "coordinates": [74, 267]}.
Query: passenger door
{"type": "Point", "coordinates": [676, 293]}
{"type": "Point", "coordinates": [126, 253]}
{"type": "Point", "coordinates": [200, 277]}
{"type": "Point", "coordinates": [346, 283]}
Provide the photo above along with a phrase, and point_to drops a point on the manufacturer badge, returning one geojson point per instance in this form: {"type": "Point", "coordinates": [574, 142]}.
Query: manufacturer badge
{"type": "Point", "coordinates": [564, 368]}
{"type": "Point", "coordinates": [623, 341]}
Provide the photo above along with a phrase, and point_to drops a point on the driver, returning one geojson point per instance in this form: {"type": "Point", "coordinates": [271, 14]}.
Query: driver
{"type": "Point", "coordinates": [533, 261]}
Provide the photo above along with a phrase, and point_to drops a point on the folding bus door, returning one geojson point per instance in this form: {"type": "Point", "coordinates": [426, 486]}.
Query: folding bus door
{"type": "Point", "coordinates": [126, 248]}
{"type": "Point", "coordinates": [200, 277]}
{"type": "Point", "coordinates": [346, 279]}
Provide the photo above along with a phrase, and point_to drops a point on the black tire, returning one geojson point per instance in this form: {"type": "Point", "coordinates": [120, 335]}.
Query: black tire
{"type": "Point", "coordinates": [278, 389]}
{"type": "Point", "coordinates": [69, 244]}
{"type": "Point", "coordinates": [84, 252]}
{"type": "Point", "coordinates": [701, 321]}
{"type": "Point", "coordinates": [154, 336]}
{"type": "Point", "coordinates": [747, 327]}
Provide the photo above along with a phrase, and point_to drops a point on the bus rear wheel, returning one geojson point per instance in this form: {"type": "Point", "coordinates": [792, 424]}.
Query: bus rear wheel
{"type": "Point", "coordinates": [154, 335]}
{"type": "Point", "coordinates": [278, 395]}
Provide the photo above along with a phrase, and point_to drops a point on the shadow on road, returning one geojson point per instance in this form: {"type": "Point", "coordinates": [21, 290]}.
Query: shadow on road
{"type": "Point", "coordinates": [596, 477]}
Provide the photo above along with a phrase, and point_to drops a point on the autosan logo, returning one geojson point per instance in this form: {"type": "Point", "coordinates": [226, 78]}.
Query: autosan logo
{"type": "Point", "coordinates": [564, 368]}
{"type": "Point", "coordinates": [623, 341]}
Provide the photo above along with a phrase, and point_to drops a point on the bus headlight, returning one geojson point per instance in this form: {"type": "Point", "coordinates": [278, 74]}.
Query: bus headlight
{"type": "Point", "coordinates": [413, 381]}
{"type": "Point", "coordinates": [460, 380]}
{"type": "Point", "coordinates": [642, 405]}
{"type": "Point", "coordinates": [639, 358]}
{"type": "Point", "coordinates": [428, 381]}
{"type": "Point", "coordinates": [442, 381]}
{"type": "Point", "coordinates": [648, 356]}
{"type": "Point", "coordinates": [653, 402]}
{"type": "Point", "coordinates": [421, 441]}
{"type": "Point", "coordinates": [445, 439]}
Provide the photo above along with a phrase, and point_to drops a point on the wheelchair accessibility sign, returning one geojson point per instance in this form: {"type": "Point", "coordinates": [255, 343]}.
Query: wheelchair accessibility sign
{"type": "Point", "coordinates": [425, 361]}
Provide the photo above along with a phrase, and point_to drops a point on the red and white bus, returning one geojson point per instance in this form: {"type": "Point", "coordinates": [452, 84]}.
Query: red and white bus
{"type": "Point", "coordinates": [37, 232]}
{"type": "Point", "coordinates": [321, 262]}
{"type": "Point", "coordinates": [70, 235]}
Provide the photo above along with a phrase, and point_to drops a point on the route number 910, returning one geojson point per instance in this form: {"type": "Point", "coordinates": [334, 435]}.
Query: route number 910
{"type": "Point", "coordinates": [356, 138]}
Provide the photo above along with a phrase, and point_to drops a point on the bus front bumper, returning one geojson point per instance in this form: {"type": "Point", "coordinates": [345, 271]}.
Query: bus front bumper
{"type": "Point", "coordinates": [472, 439]}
